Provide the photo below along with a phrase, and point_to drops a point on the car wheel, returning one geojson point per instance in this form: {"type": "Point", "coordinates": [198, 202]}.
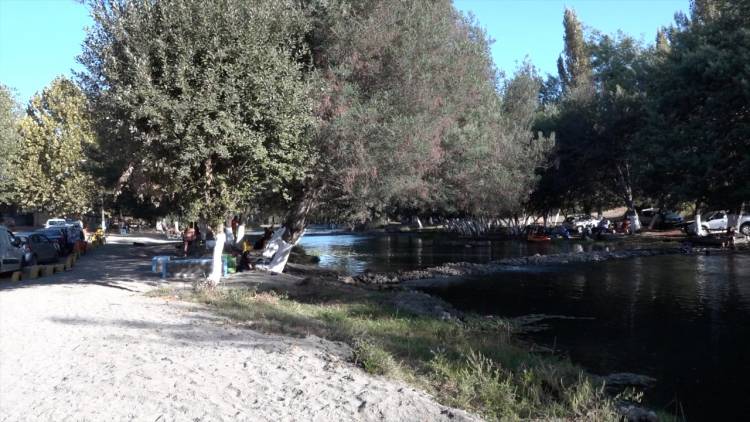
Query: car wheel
{"type": "Point", "coordinates": [745, 229]}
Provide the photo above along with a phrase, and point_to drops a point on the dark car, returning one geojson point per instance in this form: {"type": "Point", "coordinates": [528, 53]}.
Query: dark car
{"type": "Point", "coordinates": [38, 248]}
{"type": "Point", "coordinates": [58, 235]}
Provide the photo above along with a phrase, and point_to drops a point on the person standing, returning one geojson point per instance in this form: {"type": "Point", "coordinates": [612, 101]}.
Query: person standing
{"type": "Point", "coordinates": [235, 225]}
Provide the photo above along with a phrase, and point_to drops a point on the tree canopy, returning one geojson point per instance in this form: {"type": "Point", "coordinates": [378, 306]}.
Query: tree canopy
{"type": "Point", "coordinates": [208, 107]}
{"type": "Point", "coordinates": [51, 168]}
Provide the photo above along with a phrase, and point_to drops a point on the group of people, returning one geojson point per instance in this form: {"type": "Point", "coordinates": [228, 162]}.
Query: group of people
{"type": "Point", "coordinates": [248, 252]}
{"type": "Point", "coordinates": [606, 226]}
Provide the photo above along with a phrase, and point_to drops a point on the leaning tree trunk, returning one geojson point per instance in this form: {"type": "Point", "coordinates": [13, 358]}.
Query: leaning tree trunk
{"type": "Point", "coordinates": [296, 220]}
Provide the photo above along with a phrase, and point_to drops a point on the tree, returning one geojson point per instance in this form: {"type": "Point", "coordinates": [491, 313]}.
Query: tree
{"type": "Point", "coordinates": [210, 101]}
{"type": "Point", "coordinates": [53, 174]}
{"type": "Point", "coordinates": [699, 118]}
{"type": "Point", "coordinates": [9, 143]}
{"type": "Point", "coordinates": [412, 121]}
{"type": "Point", "coordinates": [573, 65]}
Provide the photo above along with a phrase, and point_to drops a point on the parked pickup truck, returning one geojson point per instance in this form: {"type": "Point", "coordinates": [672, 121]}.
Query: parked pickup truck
{"type": "Point", "coordinates": [717, 221]}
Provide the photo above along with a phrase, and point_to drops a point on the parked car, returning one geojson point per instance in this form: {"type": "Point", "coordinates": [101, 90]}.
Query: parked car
{"type": "Point", "coordinates": [667, 218]}
{"type": "Point", "coordinates": [11, 254]}
{"type": "Point", "coordinates": [38, 248]}
{"type": "Point", "coordinates": [717, 221]}
{"type": "Point", "coordinates": [57, 235]}
{"type": "Point", "coordinates": [577, 223]}
{"type": "Point", "coordinates": [53, 222]}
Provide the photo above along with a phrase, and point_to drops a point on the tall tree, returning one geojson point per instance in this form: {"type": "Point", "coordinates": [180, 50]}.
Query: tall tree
{"type": "Point", "coordinates": [209, 101]}
{"type": "Point", "coordinates": [52, 171]}
{"type": "Point", "coordinates": [412, 109]}
{"type": "Point", "coordinates": [573, 65]}
{"type": "Point", "coordinates": [10, 142]}
{"type": "Point", "coordinates": [700, 115]}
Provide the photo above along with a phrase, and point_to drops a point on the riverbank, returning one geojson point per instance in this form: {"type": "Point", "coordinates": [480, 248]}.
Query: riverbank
{"type": "Point", "coordinates": [464, 361]}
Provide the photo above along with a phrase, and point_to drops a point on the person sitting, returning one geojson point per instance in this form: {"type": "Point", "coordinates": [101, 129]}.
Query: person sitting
{"type": "Point", "coordinates": [626, 226]}
{"type": "Point", "coordinates": [260, 244]}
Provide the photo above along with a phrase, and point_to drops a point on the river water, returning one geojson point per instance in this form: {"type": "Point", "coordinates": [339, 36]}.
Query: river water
{"type": "Point", "coordinates": [684, 320]}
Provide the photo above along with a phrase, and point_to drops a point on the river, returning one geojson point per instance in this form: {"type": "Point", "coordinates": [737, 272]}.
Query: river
{"type": "Point", "coordinates": [683, 320]}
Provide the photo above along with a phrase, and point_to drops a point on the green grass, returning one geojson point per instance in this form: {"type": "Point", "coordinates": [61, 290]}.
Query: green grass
{"type": "Point", "coordinates": [473, 364]}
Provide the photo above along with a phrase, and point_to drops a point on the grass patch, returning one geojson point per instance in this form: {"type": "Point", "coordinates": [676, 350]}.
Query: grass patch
{"type": "Point", "coordinates": [473, 364]}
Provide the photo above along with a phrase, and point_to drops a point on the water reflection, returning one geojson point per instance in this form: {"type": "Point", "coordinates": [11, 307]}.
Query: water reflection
{"type": "Point", "coordinates": [681, 319]}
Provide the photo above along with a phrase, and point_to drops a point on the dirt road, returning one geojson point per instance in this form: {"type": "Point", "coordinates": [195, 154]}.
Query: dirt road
{"type": "Point", "coordinates": [87, 345]}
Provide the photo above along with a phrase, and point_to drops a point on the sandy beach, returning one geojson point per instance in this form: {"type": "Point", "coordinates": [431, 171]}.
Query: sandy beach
{"type": "Point", "coordinates": [88, 345]}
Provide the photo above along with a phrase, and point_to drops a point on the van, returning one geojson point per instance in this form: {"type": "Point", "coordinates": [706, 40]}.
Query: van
{"type": "Point", "coordinates": [11, 253]}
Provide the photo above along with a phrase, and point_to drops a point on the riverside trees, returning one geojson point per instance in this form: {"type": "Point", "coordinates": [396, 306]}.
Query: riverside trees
{"type": "Point", "coordinates": [345, 107]}
{"type": "Point", "coordinates": [211, 105]}
{"type": "Point", "coordinates": [667, 122]}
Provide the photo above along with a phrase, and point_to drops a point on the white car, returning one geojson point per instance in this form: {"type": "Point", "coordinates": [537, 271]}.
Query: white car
{"type": "Point", "coordinates": [52, 222]}
{"type": "Point", "coordinates": [11, 253]}
{"type": "Point", "coordinates": [576, 223]}
{"type": "Point", "coordinates": [718, 221]}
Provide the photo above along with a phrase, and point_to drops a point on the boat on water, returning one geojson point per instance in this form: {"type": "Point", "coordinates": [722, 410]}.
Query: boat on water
{"type": "Point", "coordinates": [538, 238]}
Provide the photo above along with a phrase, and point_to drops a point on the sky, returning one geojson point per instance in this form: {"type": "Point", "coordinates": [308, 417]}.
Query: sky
{"type": "Point", "coordinates": [40, 39]}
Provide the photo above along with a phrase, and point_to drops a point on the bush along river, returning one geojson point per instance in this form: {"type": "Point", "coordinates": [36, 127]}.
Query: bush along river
{"type": "Point", "coordinates": [683, 320]}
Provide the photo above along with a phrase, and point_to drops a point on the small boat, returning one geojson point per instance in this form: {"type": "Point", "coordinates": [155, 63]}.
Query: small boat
{"type": "Point", "coordinates": [538, 238]}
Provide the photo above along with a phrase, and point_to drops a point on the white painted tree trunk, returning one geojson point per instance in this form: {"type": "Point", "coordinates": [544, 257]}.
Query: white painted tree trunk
{"type": "Point", "coordinates": [240, 233]}
{"type": "Point", "coordinates": [216, 266]}
{"type": "Point", "coordinates": [737, 224]}
{"type": "Point", "coordinates": [698, 224]}
{"type": "Point", "coordinates": [419, 222]}
{"type": "Point", "coordinates": [177, 227]}
{"type": "Point", "coordinates": [557, 217]}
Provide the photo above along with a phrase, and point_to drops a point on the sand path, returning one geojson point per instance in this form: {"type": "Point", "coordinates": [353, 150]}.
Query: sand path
{"type": "Point", "coordinates": [87, 345]}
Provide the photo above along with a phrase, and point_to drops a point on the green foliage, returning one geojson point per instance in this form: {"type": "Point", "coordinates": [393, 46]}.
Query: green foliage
{"type": "Point", "coordinates": [699, 124]}
{"type": "Point", "coordinates": [207, 103]}
{"type": "Point", "coordinates": [573, 65]}
{"type": "Point", "coordinates": [413, 118]}
{"type": "Point", "coordinates": [10, 142]}
{"type": "Point", "coordinates": [52, 173]}
{"type": "Point", "coordinates": [668, 123]}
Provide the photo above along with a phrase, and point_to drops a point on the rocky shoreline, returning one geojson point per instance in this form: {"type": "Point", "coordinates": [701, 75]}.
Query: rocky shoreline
{"type": "Point", "coordinates": [459, 269]}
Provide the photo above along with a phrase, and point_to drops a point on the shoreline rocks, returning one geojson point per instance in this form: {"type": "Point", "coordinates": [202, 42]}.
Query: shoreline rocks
{"type": "Point", "coordinates": [455, 269]}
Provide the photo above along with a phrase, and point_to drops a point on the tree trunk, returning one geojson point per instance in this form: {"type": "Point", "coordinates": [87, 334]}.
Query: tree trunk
{"type": "Point", "coordinates": [240, 230]}
{"type": "Point", "coordinates": [104, 220]}
{"type": "Point", "coordinates": [739, 216]}
{"type": "Point", "coordinates": [418, 221]}
{"type": "Point", "coordinates": [216, 266]}
{"type": "Point", "coordinates": [296, 220]}
{"type": "Point", "coordinates": [697, 221]}
{"type": "Point", "coordinates": [557, 216]}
